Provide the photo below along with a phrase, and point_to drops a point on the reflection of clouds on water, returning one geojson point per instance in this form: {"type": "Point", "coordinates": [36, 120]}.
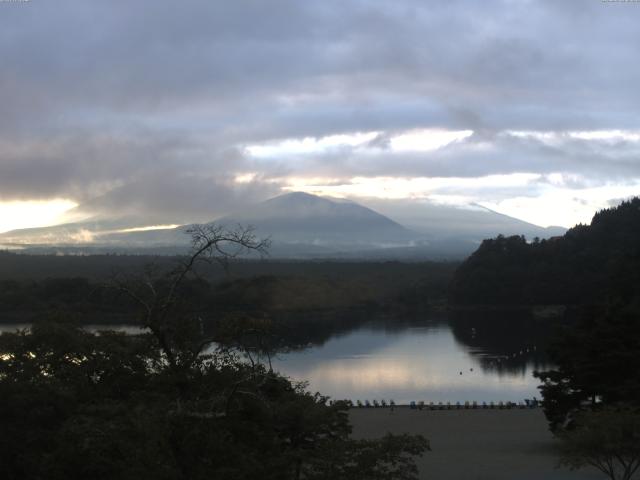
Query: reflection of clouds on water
{"type": "Point", "coordinates": [370, 375]}
{"type": "Point", "coordinates": [424, 361]}
{"type": "Point", "coordinates": [416, 363]}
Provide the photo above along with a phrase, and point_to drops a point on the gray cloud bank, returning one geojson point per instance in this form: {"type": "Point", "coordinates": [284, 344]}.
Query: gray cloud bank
{"type": "Point", "coordinates": [146, 106]}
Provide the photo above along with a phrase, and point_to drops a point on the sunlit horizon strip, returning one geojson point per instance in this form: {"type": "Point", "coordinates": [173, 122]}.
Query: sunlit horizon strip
{"type": "Point", "coordinates": [33, 213]}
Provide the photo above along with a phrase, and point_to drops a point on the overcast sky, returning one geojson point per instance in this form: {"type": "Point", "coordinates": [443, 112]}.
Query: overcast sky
{"type": "Point", "coordinates": [178, 111]}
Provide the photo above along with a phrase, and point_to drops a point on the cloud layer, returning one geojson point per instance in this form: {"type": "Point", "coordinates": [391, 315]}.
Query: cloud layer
{"type": "Point", "coordinates": [157, 107]}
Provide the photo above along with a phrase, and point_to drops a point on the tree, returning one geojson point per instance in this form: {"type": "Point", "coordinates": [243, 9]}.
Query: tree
{"type": "Point", "coordinates": [597, 362]}
{"type": "Point", "coordinates": [159, 294]}
{"type": "Point", "coordinates": [592, 397]}
{"type": "Point", "coordinates": [608, 440]}
{"type": "Point", "coordinates": [165, 405]}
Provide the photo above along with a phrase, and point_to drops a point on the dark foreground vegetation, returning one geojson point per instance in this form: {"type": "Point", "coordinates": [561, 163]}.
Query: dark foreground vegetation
{"type": "Point", "coordinates": [110, 406]}
{"type": "Point", "coordinates": [171, 403]}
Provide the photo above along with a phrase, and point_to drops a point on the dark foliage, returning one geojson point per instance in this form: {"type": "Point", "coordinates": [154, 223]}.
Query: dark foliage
{"type": "Point", "coordinates": [608, 439]}
{"type": "Point", "coordinates": [283, 289]}
{"type": "Point", "coordinates": [81, 405]}
{"type": "Point", "coordinates": [589, 264]}
{"type": "Point", "coordinates": [597, 364]}
{"type": "Point", "coordinates": [167, 405]}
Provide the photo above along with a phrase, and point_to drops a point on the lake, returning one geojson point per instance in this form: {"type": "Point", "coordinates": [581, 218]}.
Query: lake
{"type": "Point", "coordinates": [428, 359]}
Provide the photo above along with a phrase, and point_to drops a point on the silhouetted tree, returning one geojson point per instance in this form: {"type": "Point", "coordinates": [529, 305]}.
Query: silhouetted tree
{"type": "Point", "coordinates": [608, 440]}
{"type": "Point", "coordinates": [597, 362]}
{"type": "Point", "coordinates": [166, 405]}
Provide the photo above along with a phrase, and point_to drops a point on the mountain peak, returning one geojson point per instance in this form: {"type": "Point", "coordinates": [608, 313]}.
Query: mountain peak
{"type": "Point", "coordinates": [300, 197]}
{"type": "Point", "coordinates": [304, 217]}
{"type": "Point", "coordinates": [296, 195]}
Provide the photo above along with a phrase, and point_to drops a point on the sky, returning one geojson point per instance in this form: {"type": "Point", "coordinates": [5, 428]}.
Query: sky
{"type": "Point", "coordinates": [165, 112]}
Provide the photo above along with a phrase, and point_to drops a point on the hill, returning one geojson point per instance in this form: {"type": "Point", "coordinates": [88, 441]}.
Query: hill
{"type": "Point", "coordinates": [588, 264]}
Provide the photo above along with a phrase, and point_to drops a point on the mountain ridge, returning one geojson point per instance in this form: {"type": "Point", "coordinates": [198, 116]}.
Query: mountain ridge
{"type": "Point", "coordinates": [304, 225]}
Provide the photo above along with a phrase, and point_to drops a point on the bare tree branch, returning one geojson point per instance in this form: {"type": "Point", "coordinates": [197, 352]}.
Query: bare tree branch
{"type": "Point", "coordinates": [157, 292]}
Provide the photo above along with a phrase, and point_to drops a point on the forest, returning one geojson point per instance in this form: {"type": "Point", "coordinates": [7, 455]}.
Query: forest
{"type": "Point", "coordinates": [590, 263]}
{"type": "Point", "coordinates": [84, 286]}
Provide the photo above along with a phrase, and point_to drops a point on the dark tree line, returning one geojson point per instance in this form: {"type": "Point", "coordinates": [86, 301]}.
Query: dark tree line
{"type": "Point", "coordinates": [589, 264]}
{"type": "Point", "coordinates": [597, 364]}
{"type": "Point", "coordinates": [273, 287]}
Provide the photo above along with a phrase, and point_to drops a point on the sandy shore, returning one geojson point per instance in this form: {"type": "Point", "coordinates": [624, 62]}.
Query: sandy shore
{"type": "Point", "coordinates": [474, 444]}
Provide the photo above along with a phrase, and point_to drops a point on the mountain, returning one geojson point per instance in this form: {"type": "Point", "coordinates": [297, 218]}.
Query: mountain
{"type": "Point", "coordinates": [302, 225]}
{"type": "Point", "coordinates": [98, 232]}
{"type": "Point", "coordinates": [471, 223]}
{"type": "Point", "coordinates": [298, 217]}
{"type": "Point", "coordinates": [299, 225]}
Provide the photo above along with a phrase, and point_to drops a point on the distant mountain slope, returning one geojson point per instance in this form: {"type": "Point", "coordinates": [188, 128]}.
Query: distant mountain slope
{"type": "Point", "coordinates": [68, 233]}
{"type": "Point", "coordinates": [299, 224]}
{"type": "Point", "coordinates": [303, 218]}
{"type": "Point", "coordinates": [586, 265]}
{"type": "Point", "coordinates": [95, 232]}
{"type": "Point", "coordinates": [463, 223]}
{"type": "Point", "coordinates": [302, 226]}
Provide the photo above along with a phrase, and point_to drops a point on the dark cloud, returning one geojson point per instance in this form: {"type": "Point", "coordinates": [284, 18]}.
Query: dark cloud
{"type": "Point", "coordinates": [83, 165]}
{"type": "Point", "coordinates": [157, 198]}
{"type": "Point", "coordinates": [119, 99]}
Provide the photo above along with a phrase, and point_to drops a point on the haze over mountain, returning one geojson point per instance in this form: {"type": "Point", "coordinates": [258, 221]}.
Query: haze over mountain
{"type": "Point", "coordinates": [304, 218]}
{"type": "Point", "coordinates": [302, 225]}
{"type": "Point", "coordinates": [471, 222]}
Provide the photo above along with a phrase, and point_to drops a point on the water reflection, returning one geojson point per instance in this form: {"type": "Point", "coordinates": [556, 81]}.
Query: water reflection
{"type": "Point", "coordinates": [506, 342]}
{"type": "Point", "coordinates": [428, 361]}
{"type": "Point", "coordinates": [462, 357]}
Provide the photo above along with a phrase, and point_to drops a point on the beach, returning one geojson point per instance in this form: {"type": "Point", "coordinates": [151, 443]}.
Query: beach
{"type": "Point", "coordinates": [474, 444]}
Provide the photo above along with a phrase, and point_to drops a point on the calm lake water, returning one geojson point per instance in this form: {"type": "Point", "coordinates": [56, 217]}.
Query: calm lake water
{"type": "Point", "coordinates": [418, 362]}
{"type": "Point", "coordinates": [429, 360]}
